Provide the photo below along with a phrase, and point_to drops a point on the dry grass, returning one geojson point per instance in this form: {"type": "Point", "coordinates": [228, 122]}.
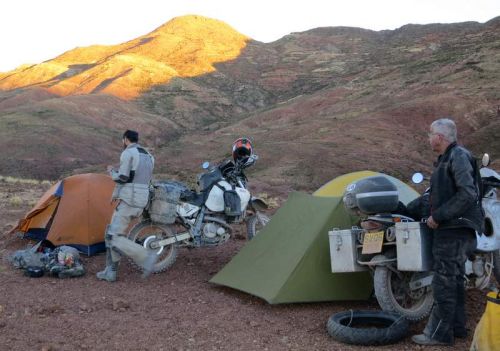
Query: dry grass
{"type": "Point", "coordinates": [14, 180]}
{"type": "Point", "coordinates": [15, 201]}
{"type": "Point", "coordinates": [272, 202]}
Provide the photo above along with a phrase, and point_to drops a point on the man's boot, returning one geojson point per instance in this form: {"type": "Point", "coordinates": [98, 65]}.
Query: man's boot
{"type": "Point", "coordinates": [109, 273]}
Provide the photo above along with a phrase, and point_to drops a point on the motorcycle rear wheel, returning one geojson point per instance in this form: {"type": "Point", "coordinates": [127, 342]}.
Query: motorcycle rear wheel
{"type": "Point", "coordinates": [255, 224]}
{"type": "Point", "coordinates": [394, 295]}
{"type": "Point", "coordinates": [147, 231]}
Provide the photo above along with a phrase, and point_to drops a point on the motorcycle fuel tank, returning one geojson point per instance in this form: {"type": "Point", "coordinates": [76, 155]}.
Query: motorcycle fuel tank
{"type": "Point", "coordinates": [215, 200]}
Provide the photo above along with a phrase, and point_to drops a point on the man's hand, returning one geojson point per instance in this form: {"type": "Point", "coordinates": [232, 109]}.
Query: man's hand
{"type": "Point", "coordinates": [431, 223]}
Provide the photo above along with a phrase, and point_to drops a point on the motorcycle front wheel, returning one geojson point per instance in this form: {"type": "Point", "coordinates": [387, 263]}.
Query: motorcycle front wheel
{"type": "Point", "coordinates": [145, 232]}
{"type": "Point", "coordinates": [255, 223]}
{"type": "Point", "coordinates": [394, 294]}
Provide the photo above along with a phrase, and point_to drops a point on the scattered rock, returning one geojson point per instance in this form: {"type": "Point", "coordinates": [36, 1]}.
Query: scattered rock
{"type": "Point", "coordinates": [85, 308]}
{"type": "Point", "coordinates": [49, 309]}
{"type": "Point", "coordinates": [27, 312]}
{"type": "Point", "coordinates": [120, 305]}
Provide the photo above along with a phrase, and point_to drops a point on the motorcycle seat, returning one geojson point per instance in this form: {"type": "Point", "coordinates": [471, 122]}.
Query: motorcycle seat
{"type": "Point", "coordinates": [192, 197]}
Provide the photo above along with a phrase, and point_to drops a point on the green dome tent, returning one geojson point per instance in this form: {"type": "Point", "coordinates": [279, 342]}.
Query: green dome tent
{"type": "Point", "coordinates": [289, 261]}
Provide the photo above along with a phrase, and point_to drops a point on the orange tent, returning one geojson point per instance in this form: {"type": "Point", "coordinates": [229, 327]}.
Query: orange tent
{"type": "Point", "coordinates": [74, 212]}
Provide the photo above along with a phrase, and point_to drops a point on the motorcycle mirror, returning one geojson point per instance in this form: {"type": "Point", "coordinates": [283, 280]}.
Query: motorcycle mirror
{"type": "Point", "coordinates": [417, 178]}
{"type": "Point", "coordinates": [205, 165]}
{"type": "Point", "coordinates": [485, 161]}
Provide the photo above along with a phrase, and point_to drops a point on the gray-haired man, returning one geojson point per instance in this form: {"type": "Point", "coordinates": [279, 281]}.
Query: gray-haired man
{"type": "Point", "coordinates": [456, 214]}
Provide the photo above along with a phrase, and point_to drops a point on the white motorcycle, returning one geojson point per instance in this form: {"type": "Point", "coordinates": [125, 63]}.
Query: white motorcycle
{"type": "Point", "coordinates": [178, 216]}
{"type": "Point", "coordinates": [397, 249]}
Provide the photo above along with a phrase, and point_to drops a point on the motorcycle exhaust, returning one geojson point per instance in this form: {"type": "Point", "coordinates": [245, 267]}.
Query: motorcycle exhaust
{"type": "Point", "coordinates": [143, 257]}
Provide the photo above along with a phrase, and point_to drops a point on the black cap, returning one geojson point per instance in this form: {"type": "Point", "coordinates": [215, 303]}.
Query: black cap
{"type": "Point", "coordinates": [131, 135]}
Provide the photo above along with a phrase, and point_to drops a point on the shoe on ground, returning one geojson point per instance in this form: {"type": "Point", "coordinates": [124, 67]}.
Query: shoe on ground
{"type": "Point", "coordinates": [423, 339]}
{"type": "Point", "coordinates": [149, 263]}
{"type": "Point", "coordinates": [108, 274]}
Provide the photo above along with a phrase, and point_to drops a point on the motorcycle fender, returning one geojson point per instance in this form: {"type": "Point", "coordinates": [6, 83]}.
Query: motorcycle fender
{"type": "Point", "coordinates": [491, 208]}
{"type": "Point", "coordinates": [380, 260]}
{"type": "Point", "coordinates": [487, 243]}
{"type": "Point", "coordinates": [258, 204]}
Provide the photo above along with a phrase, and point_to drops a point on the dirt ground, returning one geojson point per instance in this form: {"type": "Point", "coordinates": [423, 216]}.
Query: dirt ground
{"type": "Point", "coordinates": [174, 310]}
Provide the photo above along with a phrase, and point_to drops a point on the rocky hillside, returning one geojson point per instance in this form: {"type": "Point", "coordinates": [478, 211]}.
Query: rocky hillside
{"type": "Point", "coordinates": [317, 104]}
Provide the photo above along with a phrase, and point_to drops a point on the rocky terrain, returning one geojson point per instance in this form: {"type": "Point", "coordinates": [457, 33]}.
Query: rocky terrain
{"type": "Point", "coordinates": [313, 102]}
{"type": "Point", "coordinates": [317, 104]}
{"type": "Point", "coordinates": [174, 310]}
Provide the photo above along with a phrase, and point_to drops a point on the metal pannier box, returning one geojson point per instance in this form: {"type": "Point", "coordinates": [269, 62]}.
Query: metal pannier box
{"type": "Point", "coordinates": [414, 246]}
{"type": "Point", "coordinates": [343, 255]}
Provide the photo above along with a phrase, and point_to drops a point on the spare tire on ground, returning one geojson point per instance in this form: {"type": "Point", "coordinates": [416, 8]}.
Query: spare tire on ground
{"type": "Point", "coordinates": [367, 327]}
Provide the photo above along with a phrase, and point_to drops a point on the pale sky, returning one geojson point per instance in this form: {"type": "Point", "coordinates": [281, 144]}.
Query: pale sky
{"type": "Point", "coordinates": [32, 31]}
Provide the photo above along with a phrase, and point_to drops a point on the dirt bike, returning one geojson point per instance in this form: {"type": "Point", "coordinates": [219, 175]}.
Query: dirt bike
{"type": "Point", "coordinates": [181, 217]}
{"type": "Point", "coordinates": [397, 249]}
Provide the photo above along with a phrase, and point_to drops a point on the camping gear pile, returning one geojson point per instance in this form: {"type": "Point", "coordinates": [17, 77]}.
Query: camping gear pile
{"type": "Point", "coordinates": [62, 262]}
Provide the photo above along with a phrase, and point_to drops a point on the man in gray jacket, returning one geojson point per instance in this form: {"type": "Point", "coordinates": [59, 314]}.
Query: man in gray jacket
{"type": "Point", "coordinates": [132, 191]}
{"type": "Point", "coordinates": [456, 213]}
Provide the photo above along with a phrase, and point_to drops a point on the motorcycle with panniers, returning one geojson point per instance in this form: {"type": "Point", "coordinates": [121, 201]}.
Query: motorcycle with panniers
{"type": "Point", "coordinates": [180, 217]}
{"type": "Point", "coordinates": [397, 249]}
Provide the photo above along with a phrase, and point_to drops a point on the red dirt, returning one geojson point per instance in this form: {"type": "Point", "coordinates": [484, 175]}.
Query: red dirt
{"type": "Point", "coordinates": [174, 310]}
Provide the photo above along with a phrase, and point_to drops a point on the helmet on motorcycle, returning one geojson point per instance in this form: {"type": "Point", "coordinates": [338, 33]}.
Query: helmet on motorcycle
{"type": "Point", "coordinates": [243, 152]}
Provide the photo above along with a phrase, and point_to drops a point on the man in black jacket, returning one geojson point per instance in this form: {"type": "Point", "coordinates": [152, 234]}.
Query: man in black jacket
{"type": "Point", "coordinates": [456, 214]}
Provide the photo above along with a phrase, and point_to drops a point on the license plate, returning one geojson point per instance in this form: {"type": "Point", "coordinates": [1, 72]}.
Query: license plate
{"type": "Point", "coordinates": [372, 243]}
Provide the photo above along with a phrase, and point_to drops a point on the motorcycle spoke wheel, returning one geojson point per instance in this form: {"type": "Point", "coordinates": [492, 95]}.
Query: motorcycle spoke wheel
{"type": "Point", "coordinates": [146, 233]}
{"type": "Point", "coordinates": [393, 294]}
{"type": "Point", "coordinates": [255, 223]}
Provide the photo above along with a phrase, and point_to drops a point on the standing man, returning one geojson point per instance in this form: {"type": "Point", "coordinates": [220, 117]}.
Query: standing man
{"type": "Point", "coordinates": [132, 191]}
{"type": "Point", "coordinates": [456, 214]}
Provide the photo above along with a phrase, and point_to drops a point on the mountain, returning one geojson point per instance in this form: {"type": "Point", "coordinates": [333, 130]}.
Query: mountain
{"type": "Point", "coordinates": [317, 103]}
{"type": "Point", "coordinates": [184, 47]}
